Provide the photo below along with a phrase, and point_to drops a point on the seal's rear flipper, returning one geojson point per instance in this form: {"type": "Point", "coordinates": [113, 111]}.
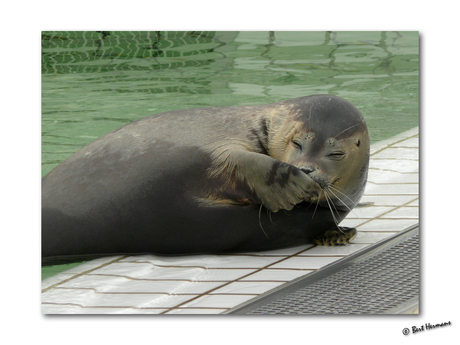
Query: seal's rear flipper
{"type": "Point", "coordinates": [336, 237]}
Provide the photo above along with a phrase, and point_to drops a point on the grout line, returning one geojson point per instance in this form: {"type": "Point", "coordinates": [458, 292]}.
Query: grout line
{"type": "Point", "coordinates": [106, 307]}
{"type": "Point", "coordinates": [135, 308]}
{"type": "Point", "coordinates": [395, 171]}
{"type": "Point", "coordinates": [378, 194]}
{"type": "Point", "coordinates": [127, 292]}
{"type": "Point", "coordinates": [387, 205]}
{"type": "Point", "coordinates": [195, 281]}
{"type": "Point", "coordinates": [394, 209]}
{"type": "Point", "coordinates": [404, 147]}
{"type": "Point", "coordinates": [395, 159]}
{"type": "Point", "coordinates": [389, 184]}
{"type": "Point", "coordinates": [394, 143]}
{"type": "Point", "coordinates": [207, 293]}
{"type": "Point", "coordinates": [167, 279]}
{"type": "Point", "coordinates": [82, 273]}
{"type": "Point", "coordinates": [236, 280]}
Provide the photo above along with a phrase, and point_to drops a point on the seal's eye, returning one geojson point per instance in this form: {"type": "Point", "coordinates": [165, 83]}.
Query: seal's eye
{"type": "Point", "coordinates": [338, 155]}
{"type": "Point", "coordinates": [297, 145]}
{"type": "Point", "coordinates": [358, 142]}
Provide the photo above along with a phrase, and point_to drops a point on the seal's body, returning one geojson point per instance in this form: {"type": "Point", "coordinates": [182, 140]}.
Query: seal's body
{"type": "Point", "coordinates": [209, 180]}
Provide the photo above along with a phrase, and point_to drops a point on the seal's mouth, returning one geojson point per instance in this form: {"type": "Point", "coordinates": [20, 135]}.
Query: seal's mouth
{"type": "Point", "coordinates": [324, 184]}
{"type": "Point", "coordinates": [329, 195]}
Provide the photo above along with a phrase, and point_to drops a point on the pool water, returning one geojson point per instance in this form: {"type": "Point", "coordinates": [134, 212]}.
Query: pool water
{"type": "Point", "coordinates": [94, 82]}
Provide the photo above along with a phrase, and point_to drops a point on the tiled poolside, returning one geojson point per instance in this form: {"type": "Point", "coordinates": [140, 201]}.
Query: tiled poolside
{"type": "Point", "coordinates": [213, 284]}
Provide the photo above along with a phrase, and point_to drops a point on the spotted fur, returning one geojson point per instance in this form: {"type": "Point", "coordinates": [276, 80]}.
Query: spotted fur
{"type": "Point", "coordinates": [336, 237]}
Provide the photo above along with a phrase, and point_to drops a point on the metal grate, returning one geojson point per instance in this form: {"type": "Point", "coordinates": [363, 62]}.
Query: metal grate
{"type": "Point", "coordinates": [378, 282]}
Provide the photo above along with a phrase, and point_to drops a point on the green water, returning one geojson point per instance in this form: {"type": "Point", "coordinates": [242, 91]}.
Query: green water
{"type": "Point", "coordinates": [94, 82]}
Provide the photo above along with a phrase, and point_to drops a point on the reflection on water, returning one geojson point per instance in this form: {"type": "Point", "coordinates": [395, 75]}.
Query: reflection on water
{"type": "Point", "coordinates": [96, 81]}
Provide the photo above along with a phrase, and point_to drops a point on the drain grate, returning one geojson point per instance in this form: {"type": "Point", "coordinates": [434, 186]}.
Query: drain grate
{"type": "Point", "coordinates": [383, 280]}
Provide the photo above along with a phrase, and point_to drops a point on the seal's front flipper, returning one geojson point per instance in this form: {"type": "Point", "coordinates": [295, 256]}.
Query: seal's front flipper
{"type": "Point", "coordinates": [336, 237]}
{"type": "Point", "coordinates": [270, 182]}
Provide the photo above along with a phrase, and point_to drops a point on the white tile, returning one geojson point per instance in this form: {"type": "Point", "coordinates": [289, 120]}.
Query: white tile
{"type": "Point", "coordinates": [90, 298]}
{"type": "Point", "coordinates": [411, 142]}
{"type": "Point", "coordinates": [283, 252]}
{"type": "Point", "coordinates": [385, 176]}
{"type": "Point", "coordinates": [387, 225]}
{"type": "Point", "coordinates": [281, 275]}
{"type": "Point", "coordinates": [210, 261]}
{"type": "Point", "coordinates": [372, 237]}
{"type": "Point", "coordinates": [411, 133]}
{"type": "Point", "coordinates": [304, 262]}
{"type": "Point", "coordinates": [224, 274]}
{"type": "Point", "coordinates": [399, 153]}
{"type": "Point", "coordinates": [61, 309]}
{"type": "Point", "coordinates": [149, 271]}
{"type": "Point", "coordinates": [381, 145]}
{"type": "Point", "coordinates": [368, 212]}
{"type": "Point", "coordinates": [414, 203]}
{"type": "Point", "coordinates": [387, 200]}
{"type": "Point", "coordinates": [132, 270]}
{"type": "Point", "coordinates": [398, 189]}
{"type": "Point", "coordinates": [90, 265]}
{"type": "Point", "coordinates": [71, 309]}
{"type": "Point", "coordinates": [56, 279]}
{"type": "Point", "coordinates": [403, 212]}
{"type": "Point", "coordinates": [138, 311]}
{"type": "Point", "coordinates": [194, 311]}
{"type": "Point", "coordinates": [246, 288]}
{"type": "Point", "coordinates": [165, 301]}
{"type": "Point", "coordinates": [402, 166]}
{"type": "Point", "coordinates": [353, 222]}
{"type": "Point", "coordinates": [125, 285]}
{"type": "Point", "coordinates": [335, 250]}
{"type": "Point", "coordinates": [218, 301]}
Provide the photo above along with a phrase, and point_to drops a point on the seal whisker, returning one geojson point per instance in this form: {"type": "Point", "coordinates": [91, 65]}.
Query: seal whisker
{"type": "Point", "coordinates": [317, 203]}
{"type": "Point", "coordinates": [309, 204]}
{"type": "Point", "coordinates": [329, 202]}
{"type": "Point", "coordinates": [338, 214]}
{"type": "Point", "coordinates": [337, 189]}
{"type": "Point", "coordinates": [346, 130]}
{"type": "Point", "coordinates": [269, 213]}
{"type": "Point", "coordinates": [351, 210]}
{"type": "Point", "coordinates": [331, 191]}
{"type": "Point", "coordinates": [260, 221]}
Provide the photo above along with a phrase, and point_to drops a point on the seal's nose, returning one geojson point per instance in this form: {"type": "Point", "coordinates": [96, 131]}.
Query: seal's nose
{"type": "Point", "coordinates": [314, 173]}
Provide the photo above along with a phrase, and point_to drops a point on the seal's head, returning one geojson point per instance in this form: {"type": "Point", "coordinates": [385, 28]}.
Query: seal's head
{"type": "Point", "coordinates": [327, 138]}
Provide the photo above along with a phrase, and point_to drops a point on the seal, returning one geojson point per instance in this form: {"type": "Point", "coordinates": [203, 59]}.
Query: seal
{"type": "Point", "coordinates": [210, 180]}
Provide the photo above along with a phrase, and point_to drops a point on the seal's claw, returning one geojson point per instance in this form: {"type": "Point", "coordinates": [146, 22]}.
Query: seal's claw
{"type": "Point", "coordinates": [336, 237]}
